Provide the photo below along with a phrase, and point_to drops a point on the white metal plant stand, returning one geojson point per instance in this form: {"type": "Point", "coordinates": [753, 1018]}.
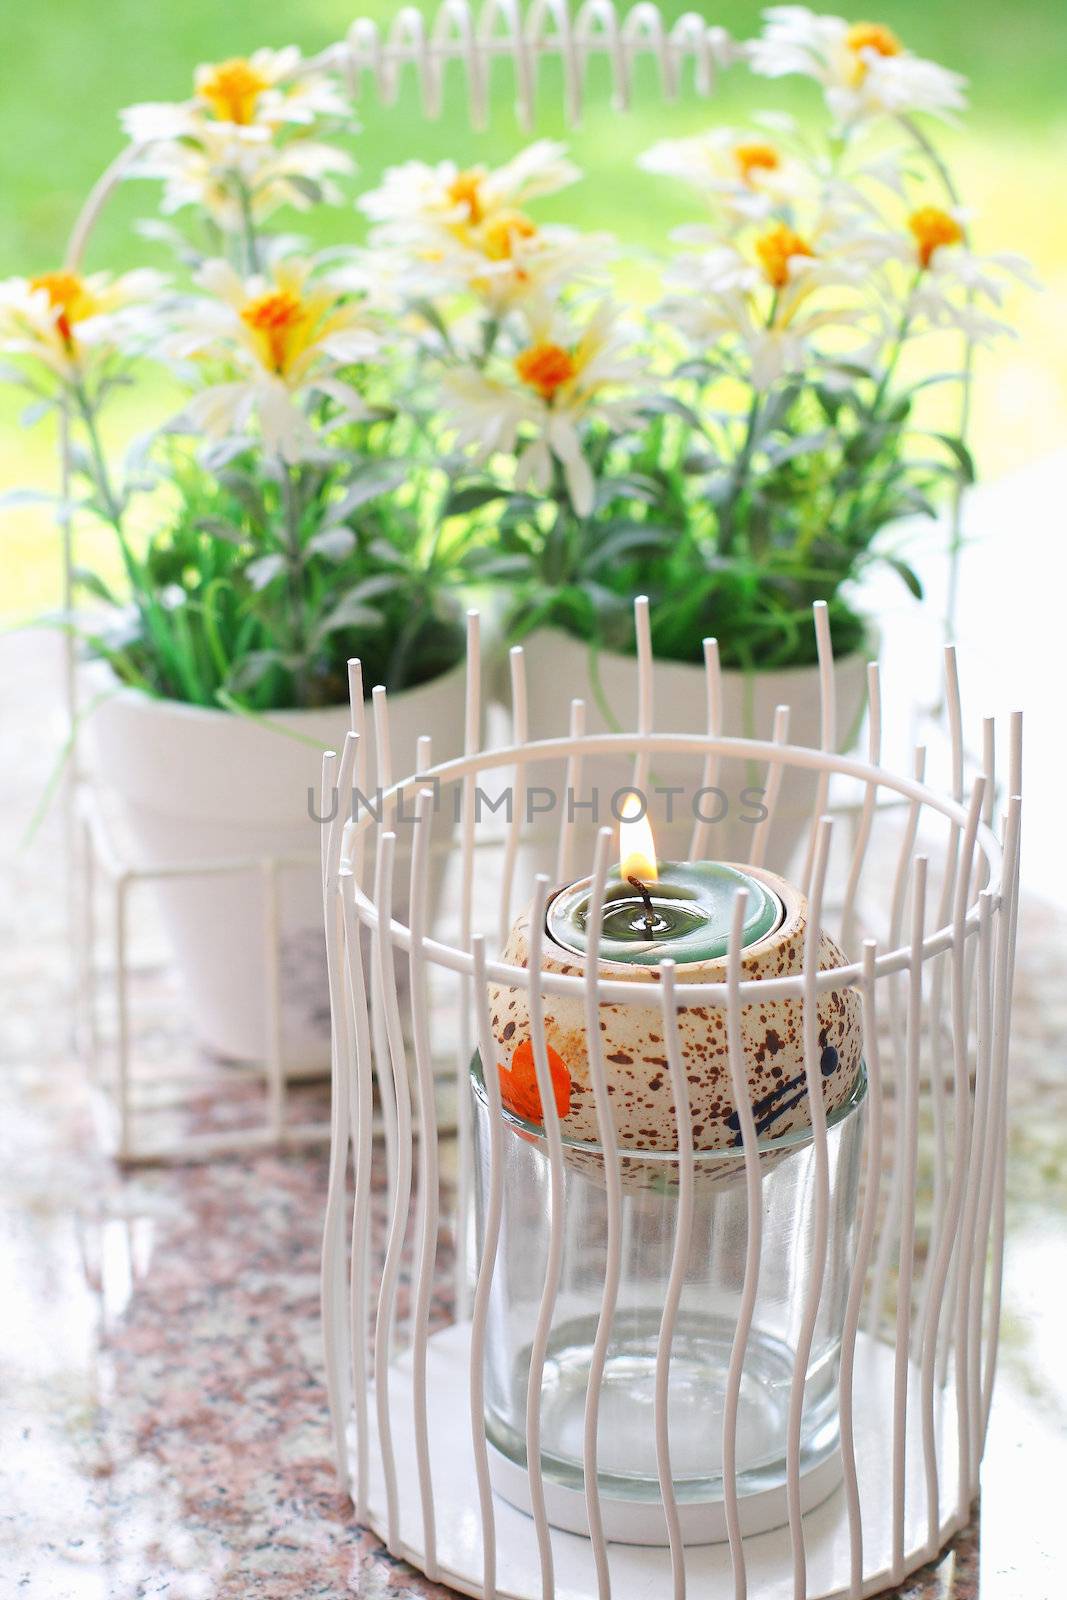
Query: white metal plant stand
{"type": "Point", "coordinates": [407, 1377]}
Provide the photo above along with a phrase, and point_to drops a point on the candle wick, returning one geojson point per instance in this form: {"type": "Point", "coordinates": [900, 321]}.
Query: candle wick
{"type": "Point", "coordinates": [650, 910]}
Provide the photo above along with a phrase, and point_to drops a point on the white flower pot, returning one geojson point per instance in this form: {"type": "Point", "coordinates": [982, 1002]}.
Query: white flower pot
{"type": "Point", "coordinates": [559, 668]}
{"type": "Point", "coordinates": [196, 785]}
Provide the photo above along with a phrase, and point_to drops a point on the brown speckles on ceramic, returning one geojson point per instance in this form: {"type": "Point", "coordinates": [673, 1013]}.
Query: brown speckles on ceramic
{"type": "Point", "coordinates": [636, 1063]}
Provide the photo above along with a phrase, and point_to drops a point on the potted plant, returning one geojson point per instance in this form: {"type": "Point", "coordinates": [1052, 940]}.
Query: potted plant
{"type": "Point", "coordinates": [285, 520]}
{"type": "Point", "coordinates": [743, 446]}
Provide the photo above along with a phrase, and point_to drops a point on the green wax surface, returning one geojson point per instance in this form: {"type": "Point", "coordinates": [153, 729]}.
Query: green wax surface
{"type": "Point", "coordinates": [692, 909]}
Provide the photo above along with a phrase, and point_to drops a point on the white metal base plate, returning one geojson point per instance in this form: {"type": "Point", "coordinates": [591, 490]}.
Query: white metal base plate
{"type": "Point", "coordinates": [643, 1521]}
{"type": "Point", "coordinates": [644, 1572]}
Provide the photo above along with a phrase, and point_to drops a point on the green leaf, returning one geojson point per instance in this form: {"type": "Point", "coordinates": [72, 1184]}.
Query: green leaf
{"type": "Point", "coordinates": [962, 455]}
{"type": "Point", "coordinates": [33, 413]}
{"type": "Point", "coordinates": [381, 477]}
{"type": "Point", "coordinates": [669, 405]}
{"type": "Point", "coordinates": [219, 528]}
{"type": "Point", "coordinates": [333, 543]}
{"type": "Point", "coordinates": [908, 574]}
{"type": "Point", "coordinates": [471, 497]}
{"type": "Point", "coordinates": [354, 611]}
{"type": "Point", "coordinates": [488, 563]}
{"type": "Point", "coordinates": [311, 191]}
{"type": "Point", "coordinates": [264, 570]}
{"type": "Point", "coordinates": [429, 311]}
{"type": "Point", "coordinates": [85, 578]}
{"type": "Point", "coordinates": [807, 444]}
{"type": "Point", "coordinates": [253, 668]}
{"type": "Point", "coordinates": [625, 540]}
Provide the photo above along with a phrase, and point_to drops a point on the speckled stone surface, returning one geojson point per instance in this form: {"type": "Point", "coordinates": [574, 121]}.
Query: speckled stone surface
{"type": "Point", "coordinates": [163, 1424]}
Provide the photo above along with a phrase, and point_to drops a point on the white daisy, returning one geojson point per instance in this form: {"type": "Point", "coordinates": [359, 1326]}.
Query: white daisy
{"type": "Point", "coordinates": [426, 204]}
{"type": "Point", "coordinates": [449, 229]}
{"type": "Point", "coordinates": [561, 381]}
{"type": "Point", "coordinates": [242, 141]}
{"type": "Point", "coordinates": [285, 336]}
{"type": "Point", "coordinates": [267, 90]}
{"type": "Point", "coordinates": [222, 168]}
{"type": "Point", "coordinates": [772, 290]}
{"type": "Point", "coordinates": [744, 174]}
{"type": "Point", "coordinates": [62, 321]}
{"type": "Point", "coordinates": [864, 69]}
{"type": "Point", "coordinates": [949, 281]}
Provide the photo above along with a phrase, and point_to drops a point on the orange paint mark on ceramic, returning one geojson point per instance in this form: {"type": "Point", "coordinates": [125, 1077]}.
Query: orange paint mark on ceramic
{"type": "Point", "coordinates": [518, 1087]}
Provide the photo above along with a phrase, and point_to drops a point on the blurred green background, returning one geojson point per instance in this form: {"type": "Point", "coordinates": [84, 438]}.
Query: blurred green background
{"type": "Point", "coordinates": [71, 66]}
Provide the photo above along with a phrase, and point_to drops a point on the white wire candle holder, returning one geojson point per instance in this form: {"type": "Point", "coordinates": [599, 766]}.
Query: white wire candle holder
{"type": "Point", "coordinates": [913, 1378]}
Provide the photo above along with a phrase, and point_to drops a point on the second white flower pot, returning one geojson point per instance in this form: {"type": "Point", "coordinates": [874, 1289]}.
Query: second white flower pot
{"type": "Point", "coordinates": [560, 668]}
{"type": "Point", "coordinates": [197, 786]}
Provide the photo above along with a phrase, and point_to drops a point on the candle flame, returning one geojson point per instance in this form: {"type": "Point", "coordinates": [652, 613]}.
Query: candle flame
{"type": "Point", "coordinates": [637, 848]}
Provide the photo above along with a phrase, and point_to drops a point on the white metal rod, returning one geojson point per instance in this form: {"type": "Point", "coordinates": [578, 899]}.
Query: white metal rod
{"type": "Point", "coordinates": [753, 1243]}
{"type": "Point", "coordinates": [429, 1206]}
{"type": "Point", "coordinates": [613, 1242]}
{"type": "Point", "coordinates": [122, 1015]}
{"type": "Point", "coordinates": [935, 1031]}
{"type": "Point", "coordinates": [820, 1226]}
{"type": "Point", "coordinates": [645, 689]}
{"type": "Point", "coordinates": [870, 796]}
{"type": "Point", "coordinates": [335, 1325]}
{"type": "Point", "coordinates": [271, 957]}
{"type": "Point", "coordinates": [1002, 1030]}
{"type": "Point", "coordinates": [887, 1235]}
{"type": "Point", "coordinates": [517, 664]}
{"type": "Point", "coordinates": [864, 1244]}
{"type": "Point", "coordinates": [494, 1205]}
{"type": "Point", "coordinates": [698, 844]}
{"type": "Point", "coordinates": [683, 1231]}
{"type": "Point", "coordinates": [734, 748]}
{"type": "Point", "coordinates": [827, 730]}
{"type": "Point", "coordinates": [400, 1193]}
{"type": "Point", "coordinates": [907, 1138]}
{"type": "Point", "coordinates": [472, 723]}
{"type": "Point", "coordinates": [775, 773]}
{"type": "Point", "coordinates": [572, 783]}
{"type": "Point", "coordinates": [971, 1277]}
{"type": "Point", "coordinates": [363, 1156]}
{"type": "Point", "coordinates": [554, 1261]}
{"type": "Point", "coordinates": [942, 1245]}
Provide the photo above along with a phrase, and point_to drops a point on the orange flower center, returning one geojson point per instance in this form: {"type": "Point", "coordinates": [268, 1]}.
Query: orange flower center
{"type": "Point", "coordinates": [931, 228]}
{"type": "Point", "coordinates": [870, 36]}
{"type": "Point", "coordinates": [232, 90]}
{"type": "Point", "coordinates": [873, 36]}
{"type": "Point", "coordinates": [519, 1090]}
{"type": "Point", "coordinates": [499, 236]}
{"type": "Point", "coordinates": [546, 367]}
{"type": "Point", "coordinates": [465, 190]}
{"type": "Point", "coordinates": [66, 294]}
{"type": "Point", "coordinates": [753, 158]}
{"type": "Point", "coordinates": [279, 320]}
{"type": "Point", "coordinates": [776, 248]}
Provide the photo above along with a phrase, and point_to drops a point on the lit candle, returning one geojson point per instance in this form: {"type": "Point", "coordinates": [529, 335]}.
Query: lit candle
{"type": "Point", "coordinates": [682, 911]}
{"type": "Point", "coordinates": [655, 910]}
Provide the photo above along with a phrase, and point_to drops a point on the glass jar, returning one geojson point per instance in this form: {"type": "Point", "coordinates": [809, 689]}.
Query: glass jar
{"type": "Point", "coordinates": [704, 1332]}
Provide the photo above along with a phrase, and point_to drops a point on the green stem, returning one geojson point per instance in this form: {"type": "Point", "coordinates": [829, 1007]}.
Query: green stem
{"type": "Point", "coordinates": [737, 477]}
{"type": "Point", "coordinates": [955, 538]}
{"type": "Point", "coordinates": [741, 465]}
{"type": "Point", "coordinates": [244, 200]}
{"type": "Point", "coordinates": [295, 582]}
{"type": "Point", "coordinates": [103, 478]}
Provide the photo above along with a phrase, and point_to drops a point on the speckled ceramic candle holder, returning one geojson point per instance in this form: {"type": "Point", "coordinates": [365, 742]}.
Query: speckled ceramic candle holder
{"type": "Point", "coordinates": [638, 1076]}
